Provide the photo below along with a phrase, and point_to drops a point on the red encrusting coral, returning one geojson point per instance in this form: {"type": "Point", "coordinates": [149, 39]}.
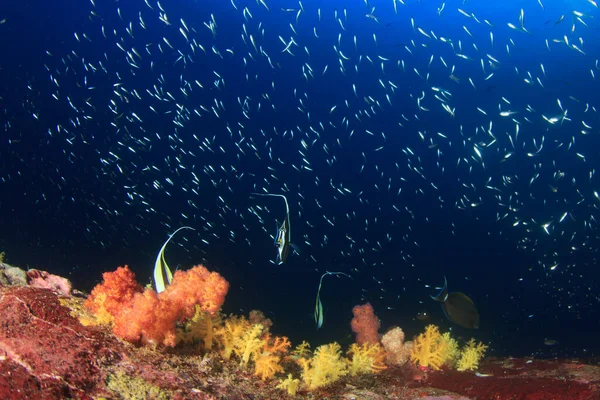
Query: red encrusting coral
{"type": "Point", "coordinates": [150, 318]}
{"type": "Point", "coordinates": [45, 353]}
{"type": "Point", "coordinates": [365, 324]}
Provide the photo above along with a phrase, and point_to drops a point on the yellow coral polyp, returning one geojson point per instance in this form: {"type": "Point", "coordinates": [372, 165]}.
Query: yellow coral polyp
{"type": "Point", "coordinates": [431, 349]}
{"type": "Point", "coordinates": [470, 356]}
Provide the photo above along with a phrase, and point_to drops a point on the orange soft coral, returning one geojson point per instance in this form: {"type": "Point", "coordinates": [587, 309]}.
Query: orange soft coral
{"type": "Point", "coordinates": [115, 292]}
{"type": "Point", "coordinates": [148, 317]}
{"type": "Point", "coordinates": [197, 286]}
{"type": "Point", "coordinates": [365, 324]}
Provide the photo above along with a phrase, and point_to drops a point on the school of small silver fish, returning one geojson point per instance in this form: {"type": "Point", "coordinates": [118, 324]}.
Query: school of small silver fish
{"type": "Point", "coordinates": [380, 122]}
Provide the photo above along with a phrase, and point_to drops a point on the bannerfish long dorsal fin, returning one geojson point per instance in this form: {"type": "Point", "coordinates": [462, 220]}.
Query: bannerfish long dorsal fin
{"type": "Point", "coordinates": [287, 207]}
{"type": "Point", "coordinates": [318, 313]}
{"type": "Point", "coordinates": [162, 273]}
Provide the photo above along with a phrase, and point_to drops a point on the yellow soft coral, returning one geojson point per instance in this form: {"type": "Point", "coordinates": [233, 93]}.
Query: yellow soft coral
{"type": "Point", "coordinates": [470, 356]}
{"type": "Point", "coordinates": [453, 351]}
{"type": "Point", "coordinates": [200, 327]}
{"type": "Point", "coordinates": [267, 363]}
{"type": "Point", "coordinates": [280, 344]}
{"type": "Point", "coordinates": [326, 366]}
{"type": "Point", "coordinates": [250, 344]}
{"type": "Point", "coordinates": [366, 359]}
{"type": "Point", "coordinates": [289, 384]}
{"type": "Point", "coordinates": [431, 349]}
{"type": "Point", "coordinates": [230, 333]}
{"type": "Point", "coordinates": [301, 351]}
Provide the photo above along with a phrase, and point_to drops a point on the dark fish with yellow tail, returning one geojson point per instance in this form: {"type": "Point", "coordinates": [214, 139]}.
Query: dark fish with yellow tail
{"type": "Point", "coordinates": [458, 307]}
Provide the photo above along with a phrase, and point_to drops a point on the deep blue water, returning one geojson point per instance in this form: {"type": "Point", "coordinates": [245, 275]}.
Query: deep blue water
{"type": "Point", "coordinates": [117, 128]}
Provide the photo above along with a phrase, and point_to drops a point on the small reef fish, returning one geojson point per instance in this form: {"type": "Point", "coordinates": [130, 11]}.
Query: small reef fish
{"type": "Point", "coordinates": [458, 307]}
{"type": "Point", "coordinates": [423, 316]}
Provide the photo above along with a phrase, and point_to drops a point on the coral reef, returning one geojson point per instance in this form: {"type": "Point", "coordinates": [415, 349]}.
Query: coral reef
{"type": "Point", "coordinates": [230, 333]}
{"type": "Point", "coordinates": [289, 384]}
{"type": "Point", "coordinates": [250, 344]}
{"type": "Point", "coordinates": [197, 286]}
{"type": "Point", "coordinates": [46, 353]}
{"type": "Point", "coordinates": [134, 388]}
{"type": "Point", "coordinates": [148, 319]}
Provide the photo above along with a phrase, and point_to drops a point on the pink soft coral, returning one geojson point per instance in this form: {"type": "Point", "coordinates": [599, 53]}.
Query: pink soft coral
{"type": "Point", "coordinates": [365, 324]}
